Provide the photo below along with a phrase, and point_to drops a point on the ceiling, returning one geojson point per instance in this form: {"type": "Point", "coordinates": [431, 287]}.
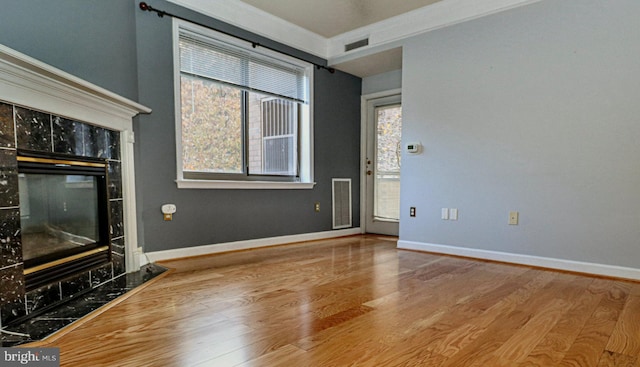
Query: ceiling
{"type": "Point", "coordinates": [373, 64]}
{"type": "Point", "coordinates": [330, 18]}
{"type": "Point", "coordinates": [325, 28]}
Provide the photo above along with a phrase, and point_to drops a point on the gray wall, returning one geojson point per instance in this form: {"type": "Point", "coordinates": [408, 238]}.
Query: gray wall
{"type": "Point", "coordinates": [91, 39]}
{"type": "Point", "coordinates": [118, 47]}
{"type": "Point", "coordinates": [535, 110]}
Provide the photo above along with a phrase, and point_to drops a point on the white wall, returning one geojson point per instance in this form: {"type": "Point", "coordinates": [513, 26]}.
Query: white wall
{"type": "Point", "coordinates": [537, 110]}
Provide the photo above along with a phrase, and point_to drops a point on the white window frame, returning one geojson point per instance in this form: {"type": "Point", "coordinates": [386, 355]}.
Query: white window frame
{"type": "Point", "coordinates": [305, 129]}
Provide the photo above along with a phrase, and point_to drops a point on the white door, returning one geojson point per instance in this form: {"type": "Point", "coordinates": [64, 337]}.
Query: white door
{"type": "Point", "coordinates": [382, 164]}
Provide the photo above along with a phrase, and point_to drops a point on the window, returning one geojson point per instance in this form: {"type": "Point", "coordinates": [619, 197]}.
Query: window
{"type": "Point", "coordinates": [243, 114]}
{"type": "Point", "coordinates": [278, 137]}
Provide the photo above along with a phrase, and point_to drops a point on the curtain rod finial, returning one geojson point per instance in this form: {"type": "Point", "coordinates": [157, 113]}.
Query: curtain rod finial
{"type": "Point", "coordinates": [144, 6]}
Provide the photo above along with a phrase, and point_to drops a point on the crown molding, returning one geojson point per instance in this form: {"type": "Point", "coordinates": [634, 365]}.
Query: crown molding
{"type": "Point", "coordinates": [390, 32]}
{"type": "Point", "coordinates": [382, 35]}
{"type": "Point", "coordinates": [252, 19]}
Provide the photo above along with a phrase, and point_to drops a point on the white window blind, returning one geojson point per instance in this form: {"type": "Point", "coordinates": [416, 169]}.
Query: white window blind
{"type": "Point", "coordinates": [230, 64]}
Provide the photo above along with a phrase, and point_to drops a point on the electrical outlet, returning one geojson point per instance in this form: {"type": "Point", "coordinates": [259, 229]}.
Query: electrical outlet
{"type": "Point", "coordinates": [513, 218]}
{"type": "Point", "coordinates": [412, 211]}
{"type": "Point", "coordinates": [316, 207]}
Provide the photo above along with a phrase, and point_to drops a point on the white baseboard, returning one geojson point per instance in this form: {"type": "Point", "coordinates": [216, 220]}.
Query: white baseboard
{"type": "Point", "coordinates": [154, 256]}
{"type": "Point", "coordinates": [544, 262]}
{"type": "Point", "coordinates": [143, 259]}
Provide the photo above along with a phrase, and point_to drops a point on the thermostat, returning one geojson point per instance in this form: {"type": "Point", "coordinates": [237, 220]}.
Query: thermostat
{"type": "Point", "coordinates": [413, 148]}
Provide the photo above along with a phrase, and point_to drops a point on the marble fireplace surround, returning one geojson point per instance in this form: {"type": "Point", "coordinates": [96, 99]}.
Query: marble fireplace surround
{"type": "Point", "coordinates": [32, 90]}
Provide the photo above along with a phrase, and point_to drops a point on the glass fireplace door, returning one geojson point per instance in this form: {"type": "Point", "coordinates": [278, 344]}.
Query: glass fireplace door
{"type": "Point", "coordinates": [64, 216]}
{"type": "Point", "coordinates": [59, 215]}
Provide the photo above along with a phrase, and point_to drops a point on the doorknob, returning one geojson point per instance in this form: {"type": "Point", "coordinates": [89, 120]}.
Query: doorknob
{"type": "Point", "coordinates": [369, 172]}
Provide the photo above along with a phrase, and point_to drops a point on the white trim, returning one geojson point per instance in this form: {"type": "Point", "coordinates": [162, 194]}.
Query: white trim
{"type": "Point", "coordinates": [31, 83]}
{"type": "Point", "coordinates": [257, 21]}
{"type": "Point", "coordinates": [246, 245]}
{"type": "Point", "coordinates": [223, 184]}
{"type": "Point", "coordinates": [365, 102]}
{"type": "Point", "coordinates": [25, 79]}
{"type": "Point", "coordinates": [306, 124]}
{"type": "Point", "coordinates": [129, 199]}
{"type": "Point", "coordinates": [142, 257]}
{"type": "Point", "coordinates": [520, 259]}
{"type": "Point", "coordinates": [175, 42]}
{"type": "Point", "coordinates": [382, 94]}
{"type": "Point", "coordinates": [305, 145]}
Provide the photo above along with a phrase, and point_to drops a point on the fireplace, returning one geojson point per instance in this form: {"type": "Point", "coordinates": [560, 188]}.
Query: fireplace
{"type": "Point", "coordinates": [47, 113]}
{"type": "Point", "coordinates": [64, 216]}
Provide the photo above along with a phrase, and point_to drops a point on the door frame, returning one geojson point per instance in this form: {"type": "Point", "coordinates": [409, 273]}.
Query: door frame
{"type": "Point", "coordinates": [365, 104]}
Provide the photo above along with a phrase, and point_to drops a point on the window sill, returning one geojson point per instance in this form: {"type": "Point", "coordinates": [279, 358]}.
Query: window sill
{"type": "Point", "coordinates": [243, 185]}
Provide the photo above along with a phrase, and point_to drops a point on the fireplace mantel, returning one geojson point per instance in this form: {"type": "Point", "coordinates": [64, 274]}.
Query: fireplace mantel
{"type": "Point", "coordinates": [31, 83]}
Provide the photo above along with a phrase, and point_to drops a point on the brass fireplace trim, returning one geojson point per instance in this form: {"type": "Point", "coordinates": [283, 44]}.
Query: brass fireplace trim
{"type": "Point", "coordinates": [65, 260]}
{"type": "Point", "coordinates": [60, 161]}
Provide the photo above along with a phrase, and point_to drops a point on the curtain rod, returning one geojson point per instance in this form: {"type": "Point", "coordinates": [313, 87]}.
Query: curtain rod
{"type": "Point", "coordinates": [161, 13]}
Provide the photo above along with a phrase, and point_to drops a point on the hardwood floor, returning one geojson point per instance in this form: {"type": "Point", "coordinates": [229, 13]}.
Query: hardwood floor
{"type": "Point", "coordinates": [358, 301]}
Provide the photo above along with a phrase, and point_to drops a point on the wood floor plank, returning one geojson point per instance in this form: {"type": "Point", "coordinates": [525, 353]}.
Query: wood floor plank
{"type": "Point", "coordinates": [454, 335]}
{"type": "Point", "coordinates": [612, 359]}
{"type": "Point", "coordinates": [504, 326]}
{"type": "Point", "coordinates": [625, 338]}
{"type": "Point", "coordinates": [524, 340]}
{"type": "Point", "coordinates": [359, 301]}
{"type": "Point", "coordinates": [553, 347]}
{"type": "Point", "coordinates": [456, 331]}
{"type": "Point", "coordinates": [592, 340]}
{"type": "Point", "coordinates": [286, 356]}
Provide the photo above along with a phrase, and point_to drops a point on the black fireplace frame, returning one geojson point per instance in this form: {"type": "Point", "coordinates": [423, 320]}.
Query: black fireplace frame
{"type": "Point", "coordinates": [48, 269]}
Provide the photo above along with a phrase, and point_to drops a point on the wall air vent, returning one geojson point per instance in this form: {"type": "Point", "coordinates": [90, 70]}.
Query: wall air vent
{"type": "Point", "coordinates": [356, 44]}
{"type": "Point", "coordinates": [341, 192]}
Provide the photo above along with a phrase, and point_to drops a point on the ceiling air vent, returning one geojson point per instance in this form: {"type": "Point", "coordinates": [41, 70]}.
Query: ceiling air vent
{"type": "Point", "coordinates": [356, 44]}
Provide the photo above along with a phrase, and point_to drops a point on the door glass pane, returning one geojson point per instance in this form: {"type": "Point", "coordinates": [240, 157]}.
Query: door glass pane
{"type": "Point", "coordinates": [387, 164]}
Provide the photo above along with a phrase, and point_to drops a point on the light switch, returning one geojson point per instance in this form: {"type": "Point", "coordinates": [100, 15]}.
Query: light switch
{"type": "Point", "coordinates": [453, 214]}
{"type": "Point", "coordinates": [445, 213]}
{"type": "Point", "coordinates": [513, 218]}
